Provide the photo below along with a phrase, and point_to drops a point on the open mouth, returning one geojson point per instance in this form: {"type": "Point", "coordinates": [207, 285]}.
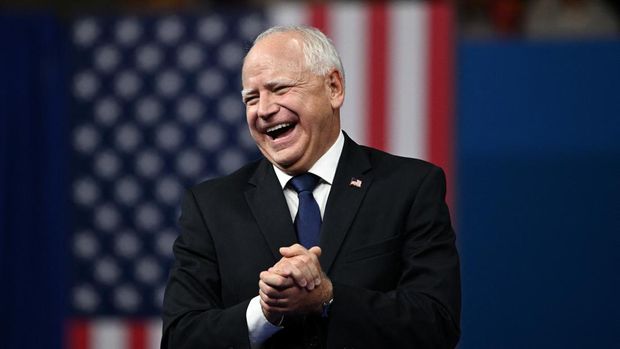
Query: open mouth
{"type": "Point", "coordinates": [279, 130]}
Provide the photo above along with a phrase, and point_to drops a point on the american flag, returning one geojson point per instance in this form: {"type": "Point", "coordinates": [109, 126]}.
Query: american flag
{"type": "Point", "coordinates": [156, 108]}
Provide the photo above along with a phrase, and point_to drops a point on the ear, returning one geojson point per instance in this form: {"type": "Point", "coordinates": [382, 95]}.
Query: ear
{"type": "Point", "coordinates": [335, 85]}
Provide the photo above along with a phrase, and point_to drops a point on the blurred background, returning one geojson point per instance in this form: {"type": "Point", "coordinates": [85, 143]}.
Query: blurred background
{"type": "Point", "coordinates": [108, 109]}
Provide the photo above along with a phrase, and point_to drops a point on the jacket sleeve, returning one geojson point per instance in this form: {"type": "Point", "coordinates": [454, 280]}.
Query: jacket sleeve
{"type": "Point", "coordinates": [193, 314]}
{"type": "Point", "coordinates": [424, 309]}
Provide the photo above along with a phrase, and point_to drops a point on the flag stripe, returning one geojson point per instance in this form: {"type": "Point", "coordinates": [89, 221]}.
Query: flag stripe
{"type": "Point", "coordinates": [115, 333]}
{"type": "Point", "coordinates": [154, 334]}
{"type": "Point", "coordinates": [319, 17]}
{"type": "Point", "coordinates": [349, 19]}
{"type": "Point", "coordinates": [378, 72]}
{"type": "Point", "coordinates": [288, 14]}
{"type": "Point", "coordinates": [78, 335]}
{"type": "Point", "coordinates": [407, 110]}
{"type": "Point", "coordinates": [137, 335]}
{"type": "Point", "coordinates": [108, 333]}
{"type": "Point", "coordinates": [440, 82]}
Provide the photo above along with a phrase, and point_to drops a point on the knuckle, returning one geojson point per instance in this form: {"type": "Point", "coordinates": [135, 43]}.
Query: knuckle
{"type": "Point", "coordinates": [289, 264]}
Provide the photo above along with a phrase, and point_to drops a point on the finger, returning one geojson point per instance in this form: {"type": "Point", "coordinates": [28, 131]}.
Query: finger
{"type": "Point", "coordinates": [309, 268]}
{"type": "Point", "coordinates": [298, 273]}
{"type": "Point", "coordinates": [301, 277]}
{"type": "Point", "coordinates": [316, 250]}
{"type": "Point", "coordinates": [275, 280]}
{"type": "Point", "coordinates": [263, 297]}
{"type": "Point", "coordinates": [281, 269]}
{"type": "Point", "coordinates": [305, 269]}
{"type": "Point", "coordinates": [272, 309]}
{"type": "Point", "coordinates": [273, 302]}
{"type": "Point", "coordinates": [284, 272]}
{"type": "Point", "coordinates": [314, 256]}
{"type": "Point", "coordinates": [287, 268]}
{"type": "Point", "coordinates": [297, 250]}
{"type": "Point", "coordinates": [307, 275]}
{"type": "Point", "coordinates": [269, 291]}
{"type": "Point", "coordinates": [293, 250]}
{"type": "Point", "coordinates": [312, 267]}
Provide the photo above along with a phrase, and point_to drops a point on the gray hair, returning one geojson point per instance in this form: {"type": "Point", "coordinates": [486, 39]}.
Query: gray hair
{"type": "Point", "coordinates": [320, 53]}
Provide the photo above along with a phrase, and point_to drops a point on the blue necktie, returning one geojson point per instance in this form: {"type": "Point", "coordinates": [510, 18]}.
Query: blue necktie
{"type": "Point", "coordinates": [308, 219]}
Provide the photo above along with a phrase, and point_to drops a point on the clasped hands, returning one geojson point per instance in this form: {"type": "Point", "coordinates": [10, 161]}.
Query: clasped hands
{"type": "Point", "coordinates": [296, 284]}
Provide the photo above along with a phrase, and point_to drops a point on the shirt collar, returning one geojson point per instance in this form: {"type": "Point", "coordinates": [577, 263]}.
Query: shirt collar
{"type": "Point", "coordinates": [324, 167]}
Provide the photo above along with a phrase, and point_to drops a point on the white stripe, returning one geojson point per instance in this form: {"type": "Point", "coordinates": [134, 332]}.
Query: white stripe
{"type": "Point", "coordinates": [349, 21]}
{"type": "Point", "coordinates": [153, 333]}
{"type": "Point", "coordinates": [408, 81]}
{"type": "Point", "coordinates": [287, 14]}
{"type": "Point", "coordinates": [108, 334]}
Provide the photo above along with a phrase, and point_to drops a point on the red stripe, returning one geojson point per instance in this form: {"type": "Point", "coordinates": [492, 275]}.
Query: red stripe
{"type": "Point", "coordinates": [378, 62]}
{"type": "Point", "coordinates": [137, 335]}
{"type": "Point", "coordinates": [441, 93]}
{"type": "Point", "coordinates": [319, 17]}
{"type": "Point", "coordinates": [77, 335]}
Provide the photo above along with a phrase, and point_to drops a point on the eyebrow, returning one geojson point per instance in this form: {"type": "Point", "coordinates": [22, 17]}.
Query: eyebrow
{"type": "Point", "coordinates": [270, 84]}
{"type": "Point", "coordinates": [246, 91]}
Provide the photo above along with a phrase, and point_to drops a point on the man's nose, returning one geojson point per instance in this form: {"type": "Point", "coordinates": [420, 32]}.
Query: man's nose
{"type": "Point", "coordinates": [266, 106]}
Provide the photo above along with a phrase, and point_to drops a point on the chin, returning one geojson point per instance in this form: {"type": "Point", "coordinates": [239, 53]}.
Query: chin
{"type": "Point", "coordinates": [284, 162]}
{"type": "Point", "coordinates": [290, 156]}
{"type": "Point", "coordinates": [287, 161]}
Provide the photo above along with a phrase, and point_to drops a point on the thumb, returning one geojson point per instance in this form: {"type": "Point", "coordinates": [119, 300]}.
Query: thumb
{"type": "Point", "coordinates": [316, 250]}
{"type": "Point", "coordinates": [292, 251]}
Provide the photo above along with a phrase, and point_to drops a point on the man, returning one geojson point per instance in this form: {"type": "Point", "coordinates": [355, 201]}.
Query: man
{"type": "Point", "coordinates": [364, 257]}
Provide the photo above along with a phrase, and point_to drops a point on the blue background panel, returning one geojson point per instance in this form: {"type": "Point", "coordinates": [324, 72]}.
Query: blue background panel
{"type": "Point", "coordinates": [539, 193]}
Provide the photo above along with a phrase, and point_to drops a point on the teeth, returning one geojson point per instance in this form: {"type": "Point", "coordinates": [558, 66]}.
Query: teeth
{"type": "Point", "coordinates": [277, 127]}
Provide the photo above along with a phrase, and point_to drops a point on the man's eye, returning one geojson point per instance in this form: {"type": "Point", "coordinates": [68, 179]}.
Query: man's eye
{"type": "Point", "coordinates": [250, 100]}
{"type": "Point", "coordinates": [282, 89]}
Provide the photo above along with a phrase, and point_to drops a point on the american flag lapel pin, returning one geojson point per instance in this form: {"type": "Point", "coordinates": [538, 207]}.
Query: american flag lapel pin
{"type": "Point", "coordinates": [355, 182]}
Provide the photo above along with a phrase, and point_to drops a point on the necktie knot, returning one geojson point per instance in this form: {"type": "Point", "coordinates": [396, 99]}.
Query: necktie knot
{"type": "Point", "coordinates": [305, 182]}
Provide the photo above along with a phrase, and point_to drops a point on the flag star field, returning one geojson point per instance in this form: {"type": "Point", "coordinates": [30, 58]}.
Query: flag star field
{"type": "Point", "coordinates": [156, 109]}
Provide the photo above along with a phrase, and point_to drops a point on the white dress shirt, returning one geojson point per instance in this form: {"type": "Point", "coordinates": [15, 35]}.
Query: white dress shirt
{"type": "Point", "coordinates": [325, 168]}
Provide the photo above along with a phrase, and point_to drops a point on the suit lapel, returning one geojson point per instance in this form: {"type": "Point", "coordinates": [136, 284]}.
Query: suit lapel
{"type": "Point", "coordinates": [267, 203]}
{"type": "Point", "coordinates": [344, 200]}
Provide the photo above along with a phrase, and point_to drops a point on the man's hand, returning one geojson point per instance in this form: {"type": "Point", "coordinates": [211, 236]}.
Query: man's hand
{"type": "Point", "coordinates": [281, 296]}
{"type": "Point", "coordinates": [300, 264]}
{"type": "Point", "coordinates": [295, 285]}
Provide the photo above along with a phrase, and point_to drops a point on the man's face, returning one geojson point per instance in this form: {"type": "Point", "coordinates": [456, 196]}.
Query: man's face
{"type": "Point", "coordinates": [292, 114]}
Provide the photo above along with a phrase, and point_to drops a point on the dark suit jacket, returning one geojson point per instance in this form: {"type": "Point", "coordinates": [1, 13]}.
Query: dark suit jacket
{"type": "Point", "coordinates": [388, 248]}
